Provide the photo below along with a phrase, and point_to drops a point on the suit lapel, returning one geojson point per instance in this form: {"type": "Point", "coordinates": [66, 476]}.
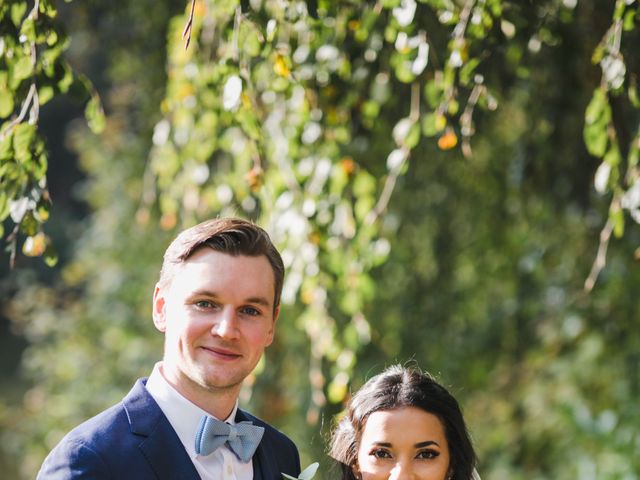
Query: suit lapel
{"type": "Point", "coordinates": [264, 466]}
{"type": "Point", "coordinates": [159, 443]}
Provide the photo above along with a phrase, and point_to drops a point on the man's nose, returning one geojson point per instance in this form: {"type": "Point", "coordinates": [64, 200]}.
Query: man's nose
{"type": "Point", "coordinates": [226, 324]}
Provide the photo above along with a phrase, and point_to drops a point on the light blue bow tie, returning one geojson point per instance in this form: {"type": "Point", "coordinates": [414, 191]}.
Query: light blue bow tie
{"type": "Point", "coordinates": [243, 438]}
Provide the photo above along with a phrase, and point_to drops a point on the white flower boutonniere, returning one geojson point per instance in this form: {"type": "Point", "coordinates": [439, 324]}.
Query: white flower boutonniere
{"type": "Point", "coordinates": [307, 474]}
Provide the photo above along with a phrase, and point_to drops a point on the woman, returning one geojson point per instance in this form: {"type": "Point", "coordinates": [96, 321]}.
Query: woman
{"type": "Point", "coordinates": [403, 425]}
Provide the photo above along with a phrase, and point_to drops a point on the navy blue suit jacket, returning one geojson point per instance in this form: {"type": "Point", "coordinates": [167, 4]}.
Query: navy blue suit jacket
{"type": "Point", "coordinates": [134, 439]}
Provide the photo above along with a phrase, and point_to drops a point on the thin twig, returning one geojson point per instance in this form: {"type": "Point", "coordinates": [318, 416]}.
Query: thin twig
{"type": "Point", "coordinates": [31, 103]}
{"type": "Point", "coordinates": [387, 190]}
{"type": "Point", "coordinates": [461, 27]}
{"type": "Point", "coordinates": [601, 256]}
{"type": "Point", "coordinates": [414, 114]}
{"type": "Point", "coordinates": [23, 111]}
{"type": "Point", "coordinates": [466, 119]}
{"type": "Point", "coordinates": [236, 34]}
{"type": "Point", "coordinates": [12, 240]}
{"type": "Point", "coordinates": [189, 26]}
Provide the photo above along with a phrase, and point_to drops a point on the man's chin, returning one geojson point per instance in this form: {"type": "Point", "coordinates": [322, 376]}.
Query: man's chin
{"type": "Point", "coordinates": [216, 383]}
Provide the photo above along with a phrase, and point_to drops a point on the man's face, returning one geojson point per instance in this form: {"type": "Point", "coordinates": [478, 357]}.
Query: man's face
{"type": "Point", "coordinates": [217, 315]}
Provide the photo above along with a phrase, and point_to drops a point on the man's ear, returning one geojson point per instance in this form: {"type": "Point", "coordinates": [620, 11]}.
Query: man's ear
{"type": "Point", "coordinates": [159, 305]}
{"type": "Point", "coordinates": [272, 331]}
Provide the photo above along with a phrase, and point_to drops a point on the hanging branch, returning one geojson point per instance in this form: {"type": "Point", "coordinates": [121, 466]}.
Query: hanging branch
{"type": "Point", "coordinates": [601, 257]}
{"type": "Point", "coordinates": [189, 26]}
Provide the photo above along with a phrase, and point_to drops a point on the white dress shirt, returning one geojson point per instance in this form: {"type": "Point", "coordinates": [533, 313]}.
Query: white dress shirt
{"type": "Point", "coordinates": [185, 417]}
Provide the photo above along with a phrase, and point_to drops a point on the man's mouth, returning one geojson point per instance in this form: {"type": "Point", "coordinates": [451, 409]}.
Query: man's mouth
{"type": "Point", "coordinates": [221, 353]}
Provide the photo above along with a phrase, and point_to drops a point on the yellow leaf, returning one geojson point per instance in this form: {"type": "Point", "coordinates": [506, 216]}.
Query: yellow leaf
{"type": "Point", "coordinates": [36, 245]}
{"type": "Point", "coordinates": [280, 66]}
{"type": "Point", "coordinates": [448, 140]}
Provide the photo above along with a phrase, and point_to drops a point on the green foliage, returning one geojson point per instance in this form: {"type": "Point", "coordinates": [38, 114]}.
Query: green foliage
{"type": "Point", "coordinates": [32, 72]}
{"type": "Point", "coordinates": [347, 132]}
{"type": "Point", "coordinates": [606, 138]}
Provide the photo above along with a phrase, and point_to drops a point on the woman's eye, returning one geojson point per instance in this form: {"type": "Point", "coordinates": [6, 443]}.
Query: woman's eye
{"type": "Point", "coordinates": [381, 454]}
{"type": "Point", "coordinates": [428, 454]}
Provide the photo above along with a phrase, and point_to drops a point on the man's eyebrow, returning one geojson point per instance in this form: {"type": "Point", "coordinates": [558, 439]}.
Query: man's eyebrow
{"type": "Point", "coordinates": [210, 293]}
{"type": "Point", "coordinates": [259, 300]}
{"type": "Point", "coordinates": [204, 293]}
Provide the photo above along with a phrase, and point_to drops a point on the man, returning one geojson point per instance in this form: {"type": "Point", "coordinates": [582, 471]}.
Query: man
{"type": "Point", "coordinates": [217, 302]}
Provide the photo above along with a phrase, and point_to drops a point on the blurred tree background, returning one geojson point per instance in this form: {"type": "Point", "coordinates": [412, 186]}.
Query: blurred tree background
{"type": "Point", "coordinates": [440, 177]}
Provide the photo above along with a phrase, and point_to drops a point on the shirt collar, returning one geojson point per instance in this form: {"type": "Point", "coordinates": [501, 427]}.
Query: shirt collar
{"type": "Point", "coordinates": [183, 415]}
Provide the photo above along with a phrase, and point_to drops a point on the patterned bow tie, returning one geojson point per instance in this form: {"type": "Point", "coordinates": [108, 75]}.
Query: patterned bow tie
{"type": "Point", "coordinates": [243, 438]}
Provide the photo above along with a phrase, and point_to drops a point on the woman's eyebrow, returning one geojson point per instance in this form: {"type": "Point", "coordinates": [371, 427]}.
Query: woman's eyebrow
{"type": "Point", "coordinates": [382, 444]}
{"type": "Point", "coordinates": [426, 444]}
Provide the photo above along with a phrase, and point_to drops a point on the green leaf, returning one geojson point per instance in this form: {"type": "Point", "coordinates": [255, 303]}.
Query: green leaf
{"type": "Point", "coordinates": [597, 117]}
{"type": "Point", "coordinates": [597, 107]}
{"type": "Point", "coordinates": [370, 109]}
{"type": "Point", "coordinates": [595, 139]}
{"type": "Point", "coordinates": [250, 39]}
{"type": "Point", "coordinates": [467, 70]}
{"type": "Point", "coordinates": [337, 390]}
{"type": "Point", "coordinates": [598, 54]}
{"type": "Point", "coordinates": [628, 23]}
{"type": "Point", "coordinates": [94, 114]}
{"type": "Point", "coordinates": [6, 147]}
{"type": "Point", "coordinates": [52, 38]}
{"type": "Point", "coordinates": [28, 31]}
{"type": "Point", "coordinates": [403, 72]}
{"type": "Point", "coordinates": [29, 225]}
{"type": "Point", "coordinates": [18, 9]}
{"type": "Point", "coordinates": [48, 8]}
{"type": "Point", "coordinates": [45, 93]}
{"type": "Point", "coordinates": [50, 255]}
{"type": "Point", "coordinates": [432, 93]}
{"type": "Point", "coordinates": [364, 184]}
{"type": "Point", "coordinates": [4, 207]}
{"type": "Point", "coordinates": [6, 103]}
{"type": "Point", "coordinates": [634, 153]}
{"type": "Point", "coordinates": [613, 157]}
{"type": "Point", "coordinates": [414, 136]}
{"type": "Point", "coordinates": [617, 218]}
{"type": "Point", "coordinates": [23, 137]}
{"type": "Point", "coordinates": [633, 95]}
{"type": "Point", "coordinates": [429, 125]}
{"type": "Point", "coordinates": [22, 68]}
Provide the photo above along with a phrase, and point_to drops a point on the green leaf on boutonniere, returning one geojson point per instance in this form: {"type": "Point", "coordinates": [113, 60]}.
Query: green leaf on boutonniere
{"type": "Point", "coordinates": [307, 474]}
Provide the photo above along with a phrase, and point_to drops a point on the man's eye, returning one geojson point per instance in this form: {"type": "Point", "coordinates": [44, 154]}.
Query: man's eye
{"type": "Point", "coordinates": [251, 311]}
{"type": "Point", "coordinates": [380, 453]}
{"type": "Point", "coordinates": [203, 304]}
{"type": "Point", "coordinates": [428, 454]}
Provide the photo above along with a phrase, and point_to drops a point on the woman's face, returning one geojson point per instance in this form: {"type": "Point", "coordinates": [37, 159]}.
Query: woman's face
{"type": "Point", "coordinates": [403, 444]}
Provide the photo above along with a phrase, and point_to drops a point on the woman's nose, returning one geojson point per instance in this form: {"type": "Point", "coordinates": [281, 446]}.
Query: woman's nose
{"type": "Point", "coordinates": [403, 471]}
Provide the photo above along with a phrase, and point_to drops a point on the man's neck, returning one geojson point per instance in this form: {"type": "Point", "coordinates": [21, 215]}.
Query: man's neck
{"type": "Point", "coordinates": [217, 402]}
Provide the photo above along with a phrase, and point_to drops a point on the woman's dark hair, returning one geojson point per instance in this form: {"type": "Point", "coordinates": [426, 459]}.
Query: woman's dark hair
{"type": "Point", "coordinates": [395, 388]}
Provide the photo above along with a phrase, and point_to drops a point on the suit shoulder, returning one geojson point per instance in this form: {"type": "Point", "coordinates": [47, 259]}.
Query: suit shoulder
{"type": "Point", "coordinates": [100, 428]}
{"type": "Point", "coordinates": [81, 451]}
